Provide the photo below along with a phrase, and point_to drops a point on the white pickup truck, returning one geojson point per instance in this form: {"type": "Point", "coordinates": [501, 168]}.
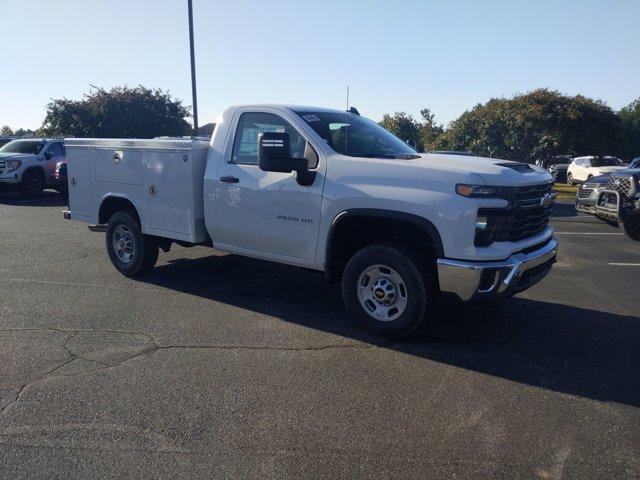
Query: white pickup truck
{"type": "Point", "coordinates": [326, 190]}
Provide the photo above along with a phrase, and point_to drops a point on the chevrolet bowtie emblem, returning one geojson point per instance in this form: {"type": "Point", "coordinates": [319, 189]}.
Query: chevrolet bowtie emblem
{"type": "Point", "coordinates": [547, 200]}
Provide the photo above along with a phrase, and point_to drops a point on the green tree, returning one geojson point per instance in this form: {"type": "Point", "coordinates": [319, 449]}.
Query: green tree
{"type": "Point", "coordinates": [120, 112]}
{"type": "Point", "coordinates": [539, 124]}
{"type": "Point", "coordinates": [630, 119]}
{"type": "Point", "coordinates": [5, 131]}
{"type": "Point", "coordinates": [430, 132]}
{"type": "Point", "coordinates": [28, 133]}
{"type": "Point", "coordinates": [421, 134]}
{"type": "Point", "coordinates": [403, 126]}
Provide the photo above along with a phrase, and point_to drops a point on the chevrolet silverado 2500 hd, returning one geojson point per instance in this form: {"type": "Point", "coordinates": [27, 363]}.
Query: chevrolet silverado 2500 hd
{"type": "Point", "coordinates": [326, 190]}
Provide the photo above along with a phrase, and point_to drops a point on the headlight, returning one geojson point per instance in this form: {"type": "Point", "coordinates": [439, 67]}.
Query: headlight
{"type": "Point", "coordinates": [478, 191]}
{"type": "Point", "coordinates": [13, 165]}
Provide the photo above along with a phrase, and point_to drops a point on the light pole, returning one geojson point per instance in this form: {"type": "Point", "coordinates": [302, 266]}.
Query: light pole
{"type": "Point", "coordinates": [193, 71]}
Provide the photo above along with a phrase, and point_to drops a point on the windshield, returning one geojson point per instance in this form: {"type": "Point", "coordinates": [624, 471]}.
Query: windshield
{"type": "Point", "coordinates": [607, 162]}
{"type": "Point", "coordinates": [356, 136]}
{"type": "Point", "coordinates": [23, 146]}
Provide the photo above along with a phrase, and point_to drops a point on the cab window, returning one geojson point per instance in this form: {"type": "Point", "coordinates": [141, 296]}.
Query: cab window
{"type": "Point", "coordinates": [56, 149]}
{"type": "Point", "coordinates": [252, 124]}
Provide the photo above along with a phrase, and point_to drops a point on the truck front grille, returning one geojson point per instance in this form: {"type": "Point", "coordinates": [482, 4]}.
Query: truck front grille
{"type": "Point", "coordinates": [585, 192]}
{"type": "Point", "coordinates": [623, 184]}
{"type": "Point", "coordinates": [527, 215]}
{"type": "Point", "coordinates": [523, 224]}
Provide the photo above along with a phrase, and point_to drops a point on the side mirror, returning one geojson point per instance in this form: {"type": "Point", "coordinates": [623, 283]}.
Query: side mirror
{"type": "Point", "coordinates": [274, 155]}
{"type": "Point", "coordinates": [48, 155]}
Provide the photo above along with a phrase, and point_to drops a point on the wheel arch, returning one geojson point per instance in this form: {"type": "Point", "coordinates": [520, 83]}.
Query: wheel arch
{"type": "Point", "coordinates": [112, 203]}
{"type": "Point", "coordinates": [346, 235]}
{"type": "Point", "coordinates": [34, 169]}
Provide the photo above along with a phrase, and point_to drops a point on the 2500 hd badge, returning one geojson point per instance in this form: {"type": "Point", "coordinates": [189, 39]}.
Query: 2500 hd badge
{"type": "Point", "coordinates": [294, 219]}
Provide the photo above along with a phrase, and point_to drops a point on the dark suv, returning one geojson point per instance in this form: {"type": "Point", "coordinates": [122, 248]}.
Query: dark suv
{"type": "Point", "coordinates": [620, 201]}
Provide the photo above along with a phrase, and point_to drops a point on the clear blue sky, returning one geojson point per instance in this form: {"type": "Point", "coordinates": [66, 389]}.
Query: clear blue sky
{"type": "Point", "coordinates": [400, 55]}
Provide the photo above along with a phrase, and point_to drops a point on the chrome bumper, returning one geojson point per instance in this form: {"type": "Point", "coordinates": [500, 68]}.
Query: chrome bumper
{"type": "Point", "coordinates": [481, 281]}
{"type": "Point", "coordinates": [606, 208]}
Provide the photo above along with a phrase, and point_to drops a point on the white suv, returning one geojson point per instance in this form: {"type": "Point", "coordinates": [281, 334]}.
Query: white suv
{"type": "Point", "coordinates": [585, 168]}
{"type": "Point", "coordinates": [30, 164]}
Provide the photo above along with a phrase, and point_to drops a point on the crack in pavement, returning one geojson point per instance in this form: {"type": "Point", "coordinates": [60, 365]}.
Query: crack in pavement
{"type": "Point", "coordinates": [151, 346]}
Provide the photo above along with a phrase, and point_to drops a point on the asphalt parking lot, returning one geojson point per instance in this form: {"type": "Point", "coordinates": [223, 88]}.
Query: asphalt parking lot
{"type": "Point", "coordinates": [219, 366]}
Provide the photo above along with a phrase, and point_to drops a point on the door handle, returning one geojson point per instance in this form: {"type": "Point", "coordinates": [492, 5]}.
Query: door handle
{"type": "Point", "coordinates": [229, 179]}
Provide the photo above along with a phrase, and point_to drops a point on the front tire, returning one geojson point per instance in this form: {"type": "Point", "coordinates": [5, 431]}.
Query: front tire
{"type": "Point", "coordinates": [131, 252]}
{"type": "Point", "coordinates": [632, 229]}
{"type": "Point", "coordinates": [386, 291]}
{"type": "Point", "coordinates": [32, 184]}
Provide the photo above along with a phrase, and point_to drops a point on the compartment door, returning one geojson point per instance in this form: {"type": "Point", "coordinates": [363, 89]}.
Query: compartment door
{"type": "Point", "coordinates": [122, 166]}
{"type": "Point", "coordinates": [169, 188]}
{"type": "Point", "coordinates": [79, 178]}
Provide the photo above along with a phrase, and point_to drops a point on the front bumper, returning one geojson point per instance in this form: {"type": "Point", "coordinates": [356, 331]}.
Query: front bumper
{"type": "Point", "coordinates": [610, 207]}
{"type": "Point", "coordinates": [9, 179]}
{"type": "Point", "coordinates": [472, 282]}
{"type": "Point", "coordinates": [586, 207]}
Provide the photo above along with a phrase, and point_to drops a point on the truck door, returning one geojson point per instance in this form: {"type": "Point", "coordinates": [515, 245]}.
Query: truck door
{"type": "Point", "coordinates": [267, 212]}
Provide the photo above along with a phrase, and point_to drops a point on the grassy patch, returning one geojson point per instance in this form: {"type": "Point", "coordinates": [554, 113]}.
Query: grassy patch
{"type": "Point", "coordinates": [565, 192]}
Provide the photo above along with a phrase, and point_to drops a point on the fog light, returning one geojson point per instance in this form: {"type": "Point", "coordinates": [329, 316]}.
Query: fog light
{"type": "Point", "coordinates": [487, 227]}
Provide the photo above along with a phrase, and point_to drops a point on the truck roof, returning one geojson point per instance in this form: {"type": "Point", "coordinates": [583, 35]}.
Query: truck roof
{"type": "Point", "coordinates": [294, 108]}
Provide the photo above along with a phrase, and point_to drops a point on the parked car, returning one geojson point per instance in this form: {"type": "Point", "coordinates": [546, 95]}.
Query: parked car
{"type": "Point", "coordinates": [589, 192]}
{"type": "Point", "coordinates": [557, 166]}
{"type": "Point", "coordinates": [29, 164]}
{"type": "Point", "coordinates": [582, 169]}
{"type": "Point", "coordinates": [4, 141]}
{"type": "Point", "coordinates": [327, 190]}
{"type": "Point", "coordinates": [59, 178]}
{"type": "Point", "coordinates": [619, 201]}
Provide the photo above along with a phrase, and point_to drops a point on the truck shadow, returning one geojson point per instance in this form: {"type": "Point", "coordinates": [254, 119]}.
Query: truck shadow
{"type": "Point", "coordinates": [558, 347]}
{"type": "Point", "coordinates": [564, 210]}
{"type": "Point", "coordinates": [49, 198]}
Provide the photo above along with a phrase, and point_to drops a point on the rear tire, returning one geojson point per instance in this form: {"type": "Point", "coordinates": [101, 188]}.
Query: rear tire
{"type": "Point", "coordinates": [387, 290]}
{"type": "Point", "coordinates": [32, 184]}
{"type": "Point", "coordinates": [131, 252]}
{"type": "Point", "coordinates": [632, 229]}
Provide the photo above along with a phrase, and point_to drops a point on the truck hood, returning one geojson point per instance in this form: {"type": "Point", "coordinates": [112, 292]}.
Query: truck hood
{"type": "Point", "coordinates": [492, 170]}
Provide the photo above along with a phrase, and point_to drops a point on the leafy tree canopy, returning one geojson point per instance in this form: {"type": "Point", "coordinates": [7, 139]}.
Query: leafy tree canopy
{"type": "Point", "coordinates": [121, 112]}
{"type": "Point", "coordinates": [421, 134]}
{"type": "Point", "coordinates": [630, 118]}
{"type": "Point", "coordinates": [539, 124]}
